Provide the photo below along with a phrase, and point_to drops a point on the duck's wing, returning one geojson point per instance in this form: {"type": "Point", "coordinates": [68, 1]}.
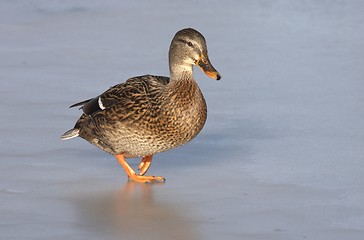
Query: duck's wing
{"type": "Point", "coordinates": [134, 93]}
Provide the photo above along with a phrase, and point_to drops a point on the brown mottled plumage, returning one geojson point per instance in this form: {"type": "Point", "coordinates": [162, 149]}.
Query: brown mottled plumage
{"type": "Point", "coordinates": [150, 114]}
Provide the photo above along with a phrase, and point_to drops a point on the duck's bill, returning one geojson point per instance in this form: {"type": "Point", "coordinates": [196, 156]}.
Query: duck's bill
{"type": "Point", "coordinates": [204, 64]}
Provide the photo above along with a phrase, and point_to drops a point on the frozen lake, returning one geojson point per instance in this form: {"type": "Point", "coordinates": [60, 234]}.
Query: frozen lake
{"type": "Point", "coordinates": [281, 156]}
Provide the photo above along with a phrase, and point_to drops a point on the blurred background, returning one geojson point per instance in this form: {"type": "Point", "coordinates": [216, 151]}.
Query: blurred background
{"type": "Point", "coordinates": [281, 154]}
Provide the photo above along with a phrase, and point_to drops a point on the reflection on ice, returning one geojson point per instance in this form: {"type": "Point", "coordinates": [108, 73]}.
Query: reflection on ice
{"type": "Point", "coordinates": [133, 213]}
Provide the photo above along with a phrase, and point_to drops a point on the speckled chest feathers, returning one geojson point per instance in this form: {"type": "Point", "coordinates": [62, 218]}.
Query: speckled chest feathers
{"type": "Point", "coordinates": [153, 115]}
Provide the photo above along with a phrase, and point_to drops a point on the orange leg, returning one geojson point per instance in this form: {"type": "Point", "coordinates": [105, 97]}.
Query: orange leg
{"type": "Point", "coordinates": [133, 176]}
{"type": "Point", "coordinates": [145, 164]}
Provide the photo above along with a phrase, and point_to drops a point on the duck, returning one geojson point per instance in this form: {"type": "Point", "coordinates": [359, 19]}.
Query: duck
{"type": "Point", "coordinates": [149, 114]}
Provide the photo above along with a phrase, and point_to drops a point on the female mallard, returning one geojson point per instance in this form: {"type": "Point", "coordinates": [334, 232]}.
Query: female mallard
{"type": "Point", "coordinates": [150, 114]}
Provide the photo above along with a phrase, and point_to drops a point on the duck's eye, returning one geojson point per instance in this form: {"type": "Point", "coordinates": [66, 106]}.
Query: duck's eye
{"type": "Point", "coordinates": [189, 44]}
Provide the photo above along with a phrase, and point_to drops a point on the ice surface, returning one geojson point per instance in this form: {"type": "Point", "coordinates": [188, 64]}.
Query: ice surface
{"type": "Point", "coordinates": [281, 155]}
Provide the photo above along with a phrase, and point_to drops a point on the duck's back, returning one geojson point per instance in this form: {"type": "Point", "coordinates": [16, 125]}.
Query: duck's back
{"type": "Point", "coordinates": [143, 116]}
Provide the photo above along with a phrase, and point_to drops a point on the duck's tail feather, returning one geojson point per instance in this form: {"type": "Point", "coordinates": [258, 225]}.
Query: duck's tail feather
{"type": "Point", "coordinates": [81, 103]}
{"type": "Point", "coordinates": [72, 133]}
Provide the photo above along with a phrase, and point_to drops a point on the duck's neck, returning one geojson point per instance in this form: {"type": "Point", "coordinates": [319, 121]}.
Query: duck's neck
{"type": "Point", "coordinates": [180, 72]}
{"type": "Point", "coordinates": [179, 67]}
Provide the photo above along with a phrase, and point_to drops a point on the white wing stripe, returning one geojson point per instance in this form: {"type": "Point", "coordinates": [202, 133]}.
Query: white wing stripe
{"type": "Point", "coordinates": [102, 107]}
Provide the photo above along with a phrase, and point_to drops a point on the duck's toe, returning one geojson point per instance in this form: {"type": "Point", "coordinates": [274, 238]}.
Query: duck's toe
{"type": "Point", "coordinates": [145, 164]}
{"type": "Point", "coordinates": [147, 179]}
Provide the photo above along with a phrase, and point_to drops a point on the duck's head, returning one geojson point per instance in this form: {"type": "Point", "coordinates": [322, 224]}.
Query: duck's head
{"type": "Point", "coordinates": [188, 48]}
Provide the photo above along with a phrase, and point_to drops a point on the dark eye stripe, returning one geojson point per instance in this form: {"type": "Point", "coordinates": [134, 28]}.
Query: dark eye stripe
{"type": "Point", "coordinates": [186, 42]}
